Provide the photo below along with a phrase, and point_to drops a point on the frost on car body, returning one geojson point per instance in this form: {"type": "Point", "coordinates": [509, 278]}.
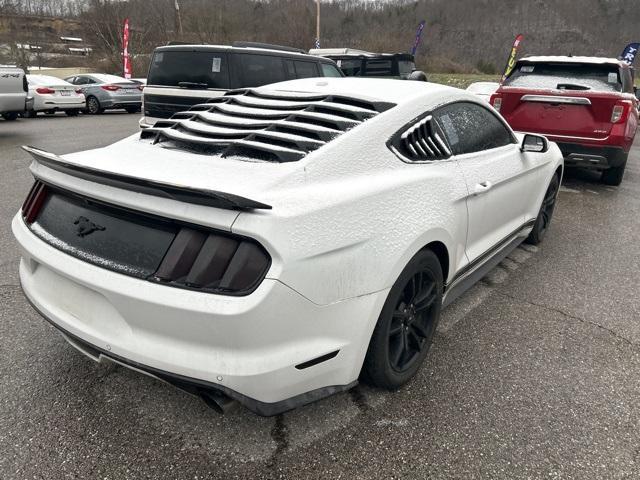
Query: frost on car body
{"type": "Point", "coordinates": [289, 215]}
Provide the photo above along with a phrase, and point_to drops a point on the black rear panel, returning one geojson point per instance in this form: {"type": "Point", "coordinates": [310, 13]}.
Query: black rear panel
{"type": "Point", "coordinates": [146, 246]}
{"type": "Point", "coordinates": [163, 106]}
{"type": "Point", "coordinates": [111, 238]}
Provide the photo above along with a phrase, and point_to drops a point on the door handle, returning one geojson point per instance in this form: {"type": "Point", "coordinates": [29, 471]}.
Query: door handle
{"type": "Point", "coordinates": [483, 187]}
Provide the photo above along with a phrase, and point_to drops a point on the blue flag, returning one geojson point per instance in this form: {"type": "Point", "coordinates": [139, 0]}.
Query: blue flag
{"type": "Point", "coordinates": [418, 36]}
{"type": "Point", "coordinates": [629, 53]}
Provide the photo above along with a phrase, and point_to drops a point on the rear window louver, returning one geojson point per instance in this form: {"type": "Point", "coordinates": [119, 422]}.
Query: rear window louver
{"type": "Point", "coordinates": [420, 141]}
{"type": "Point", "coordinates": [261, 126]}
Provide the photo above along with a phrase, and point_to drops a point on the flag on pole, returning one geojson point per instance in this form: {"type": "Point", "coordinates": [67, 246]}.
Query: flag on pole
{"type": "Point", "coordinates": [511, 61]}
{"type": "Point", "coordinates": [317, 43]}
{"type": "Point", "coordinates": [414, 49]}
{"type": "Point", "coordinates": [125, 49]}
{"type": "Point", "coordinates": [629, 53]}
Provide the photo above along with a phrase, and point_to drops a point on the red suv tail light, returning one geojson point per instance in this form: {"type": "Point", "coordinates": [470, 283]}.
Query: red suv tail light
{"type": "Point", "coordinates": [496, 101]}
{"type": "Point", "coordinates": [621, 111]}
{"type": "Point", "coordinates": [33, 203]}
{"type": "Point", "coordinates": [45, 90]}
{"type": "Point", "coordinates": [110, 88]}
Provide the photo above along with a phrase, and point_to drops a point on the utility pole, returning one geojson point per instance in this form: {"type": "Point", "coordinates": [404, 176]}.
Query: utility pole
{"type": "Point", "coordinates": [178, 19]}
{"type": "Point", "coordinates": [317, 23]}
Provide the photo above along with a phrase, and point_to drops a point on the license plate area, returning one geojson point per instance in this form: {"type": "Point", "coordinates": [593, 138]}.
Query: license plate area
{"type": "Point", "coordinates": [113, 238]}
{"type": "Point", "coordinates": [65, 93]}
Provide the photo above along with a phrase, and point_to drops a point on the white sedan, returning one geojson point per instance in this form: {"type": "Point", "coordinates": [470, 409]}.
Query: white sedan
{"type": "Point", "coordinates": [484, 90]}
{"type": "Point", "coordinates": [275, 245]}
{"type": "Point", "coordinates": [51, 94]}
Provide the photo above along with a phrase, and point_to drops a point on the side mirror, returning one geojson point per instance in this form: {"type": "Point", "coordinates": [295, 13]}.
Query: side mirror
{"type": "Point", "coordinates": [534, 143]}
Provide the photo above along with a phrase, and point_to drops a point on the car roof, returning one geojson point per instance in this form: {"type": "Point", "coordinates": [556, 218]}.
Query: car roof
{"type": "Point", "coordinates": [103, 77]}
{"type": "Point", "coordinates": [229, 48]}
{"type": "Point", "coordinates": [568, 59]}
{"type": "Point", "coordinates": [46, 79]}
{"type": "Point", "coordinates": [379, 89]}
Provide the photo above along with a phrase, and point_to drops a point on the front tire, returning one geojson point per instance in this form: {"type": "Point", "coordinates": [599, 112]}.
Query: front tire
{"type": "Point", "coordinates": [406, 326]}
{"type": "Point", "coordinates": [545, 214]}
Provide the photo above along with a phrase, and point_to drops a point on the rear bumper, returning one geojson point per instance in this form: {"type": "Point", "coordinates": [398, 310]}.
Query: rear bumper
{"type": "Point", "coordinates": [591, 156]}
{"type": "Point", "coordinates": [251, 348]}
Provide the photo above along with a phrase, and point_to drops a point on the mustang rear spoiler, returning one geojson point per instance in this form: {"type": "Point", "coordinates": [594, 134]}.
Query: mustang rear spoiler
{"type": "Point", "coordinates": [210, 198]}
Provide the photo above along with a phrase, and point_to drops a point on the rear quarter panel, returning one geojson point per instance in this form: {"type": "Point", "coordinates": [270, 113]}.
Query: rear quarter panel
{"type": "Point", "coordinates": [361, 215]}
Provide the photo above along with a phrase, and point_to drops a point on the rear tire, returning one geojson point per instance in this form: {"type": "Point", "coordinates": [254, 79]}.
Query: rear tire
{"type": "Point", "coordinates": [10, 116]}
{"type": "Point", "coordinates": [93, 106]}
{"type": "Point", "coordinates": [613, 176]}
{"type": "Point", "coordinates": [72, 113]}
{"type": "Point", "coordinates": [406, 325]}
{"type": "Point", "coordinates": [546, 212]}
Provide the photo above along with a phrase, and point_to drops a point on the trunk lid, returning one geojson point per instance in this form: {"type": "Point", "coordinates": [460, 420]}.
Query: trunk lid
{"type": "Point", "coordinates": [575, 113]}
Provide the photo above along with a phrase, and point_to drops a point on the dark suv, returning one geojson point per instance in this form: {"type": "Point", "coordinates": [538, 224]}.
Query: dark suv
{"type": "Point", "coordinates": [181, 76]}
{"type": "Point", "coordinates": [358, 63]}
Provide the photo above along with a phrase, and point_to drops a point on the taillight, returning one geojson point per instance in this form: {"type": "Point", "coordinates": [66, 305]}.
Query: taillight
{"type": "Point", "coordinates": [110, 88]}
{"type": "Point", "coordinates": [213, 262]}
{"type": "Point", "coordinates": [34, 201]}
{"type": "Point", "coordinates": [496, 101]}
{"type": "Point", "coordinates": [45, 90]}
{"type": "Point", "coordinates": [620, 111]}
{"type": "Point", "coordinates": [79, 91]}
{"type": "Point", "coordinates": [140, 87]}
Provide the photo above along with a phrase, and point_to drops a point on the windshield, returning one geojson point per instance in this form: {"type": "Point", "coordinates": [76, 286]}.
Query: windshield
{"type": "Point", "coordinates": [194, 69]}
{"type": "Point", "coordinates": [566, 76]}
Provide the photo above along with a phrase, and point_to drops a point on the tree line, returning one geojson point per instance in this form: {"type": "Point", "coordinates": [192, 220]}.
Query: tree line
{"type": "Point", "coordinates": [464, 35]}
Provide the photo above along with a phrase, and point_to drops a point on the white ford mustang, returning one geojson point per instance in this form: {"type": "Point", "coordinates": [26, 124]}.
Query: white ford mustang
{"type": "Point", "coordinates": [277, 244]}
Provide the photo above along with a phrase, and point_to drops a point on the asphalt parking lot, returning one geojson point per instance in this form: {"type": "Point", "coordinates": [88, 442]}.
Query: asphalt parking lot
{"type": "Point", "coordinates": [534, 373]}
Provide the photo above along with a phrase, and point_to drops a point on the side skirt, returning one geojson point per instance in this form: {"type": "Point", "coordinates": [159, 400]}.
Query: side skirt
{"type": "Point", "coordinates": [486, 262]}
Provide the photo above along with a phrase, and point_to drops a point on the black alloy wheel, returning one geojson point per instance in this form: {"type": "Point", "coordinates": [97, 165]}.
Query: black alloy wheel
{"type": "Point", "coordinates": [412, 321]}
{"type": "Point", "coordinates": [546, 212]}
{"type": "Point", "coordinates": [406, 326]}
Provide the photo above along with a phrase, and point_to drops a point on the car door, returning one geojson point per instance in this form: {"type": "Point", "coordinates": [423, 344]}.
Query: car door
{"type": "Point", "coordinates": [501, 180]}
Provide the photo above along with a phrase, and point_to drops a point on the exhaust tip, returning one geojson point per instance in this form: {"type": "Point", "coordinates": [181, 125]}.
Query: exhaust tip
{"type": "Point", "coordinates": [218, 401]}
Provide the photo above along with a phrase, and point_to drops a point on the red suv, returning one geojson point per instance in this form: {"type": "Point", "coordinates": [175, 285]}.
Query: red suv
{"type": "Point", "coordinates": [584, 104]}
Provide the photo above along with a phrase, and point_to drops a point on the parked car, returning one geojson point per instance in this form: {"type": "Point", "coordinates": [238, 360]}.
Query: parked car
{"type": "Point", "coordinates": [358, 63]}
{"type": "Point", "coordinates": [181, 76]}
{"type": "Point", "coordinates": [13, 92]}
{"type": "Point", "coordinates": [108, 92]}
{"type": "Point", "coordinates": [51, 94]}
{"type": "Point", "coordinates": [276, 243]}
{"type": "Point", "coordinates": [585, 104]}
{"type": "Point", "coordinates": [484, 90]}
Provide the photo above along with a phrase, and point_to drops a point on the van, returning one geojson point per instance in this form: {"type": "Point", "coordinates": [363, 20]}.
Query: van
{"type": "Point", "coordinates": [181, 76]}
{"type": "Point", "coordinates": [13, 92]}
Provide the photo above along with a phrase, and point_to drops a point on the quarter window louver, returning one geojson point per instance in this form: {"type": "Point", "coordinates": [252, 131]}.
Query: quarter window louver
{"type": "Point", "coordinates": [263, 126]}
{"type": "Point", "coordinates": [421, 141]}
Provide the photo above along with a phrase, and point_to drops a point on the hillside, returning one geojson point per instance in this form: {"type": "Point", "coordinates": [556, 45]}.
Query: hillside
{"type": "Point", "coordinates": [460, 36]}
